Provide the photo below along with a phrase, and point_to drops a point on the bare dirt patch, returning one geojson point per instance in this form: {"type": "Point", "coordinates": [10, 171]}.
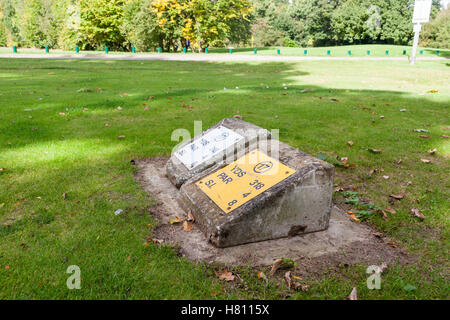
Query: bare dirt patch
{"type": "Point", "coordinates": [344, 243]}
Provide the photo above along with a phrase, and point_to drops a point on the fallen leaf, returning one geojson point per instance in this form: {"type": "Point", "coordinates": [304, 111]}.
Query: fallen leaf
{"type": "Point", "coordinates": [425, 160]}
{"type": "Point", "coordinates": [120, 137]}
{"type": "Point", "coordinates": [187, 226]}
{"type": "Point", "coordinates": [445, 136]}
{"type": "Point", "coordinates": [417, 213]}
{"type": "Point", "coordinates": [226, 276]}
{"type": "Point", "coordinates": [175, 220]}
{"type": "Point", "coordinates": [297, 286]}
{"type": "Point", "coordinates": [399, 161]}
{"type": "Point", "coordinates": [432, 151]}
{"type": "Point", "coordinates": [261, 275]}
{"type": "Point", "coordinates": [353, 295]}
{"type": "Point", "coordinates": [153, 240]}
{"type": "Point", "coordinates": [409, 287]}
{"type": "Point", "coordinates": [378, 234]}
{"type": "Point", "coordinates": [275, 266]}
{"type": "Point", "coordinates": [350, 143]}
{"type": "Point", "coordinates": [390, 210]}
{"type": "Point", "coordinates": [287, 277]}
{"type": "Point", "coordinates": [338, 189]}
{"type": "Point", "coordinates": [7, 267]}
{"type": "Point", "coordinates": [215, 293]}
{"type": "Point", "coordinates": [190, 217]}
{"type": "Point", "coordinates": [397, 196]}
{"type": "Point", "coordinates": [386, 177]}
{"type": "Point", "coordinates": [424, 136]}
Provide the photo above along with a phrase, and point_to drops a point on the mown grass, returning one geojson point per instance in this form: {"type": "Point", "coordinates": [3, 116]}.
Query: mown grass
{"type": "Point", "coordinates": [326, 104]}
{"type": "Point", "coordinates": [335, 51]}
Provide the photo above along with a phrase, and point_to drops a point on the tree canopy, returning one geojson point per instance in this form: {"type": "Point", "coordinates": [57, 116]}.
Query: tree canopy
{"type": "Point", "coordinates": [171, 24]}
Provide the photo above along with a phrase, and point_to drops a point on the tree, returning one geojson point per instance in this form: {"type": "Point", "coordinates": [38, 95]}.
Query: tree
{"type": "Point", "coordinates": [436, 33]}
{"type": "Point", "coordinates": [100, 23]}
{"type": "Point", "coordinates": [139, 27]}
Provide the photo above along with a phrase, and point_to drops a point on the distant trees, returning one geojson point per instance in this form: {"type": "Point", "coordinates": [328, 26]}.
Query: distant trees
{"type": "Point", "coordinates": [436, 34]}
{"type": "Point", "coordinates": [170, 24]}
{"type": "Point", "coordinates": [334, 22]}
{"type": "Point", "coordinates": [121, 24]}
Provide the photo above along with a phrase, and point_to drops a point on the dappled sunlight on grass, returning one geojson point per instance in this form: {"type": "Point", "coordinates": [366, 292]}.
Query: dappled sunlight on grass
{"type": "Point", "coordinates": [59, 152]}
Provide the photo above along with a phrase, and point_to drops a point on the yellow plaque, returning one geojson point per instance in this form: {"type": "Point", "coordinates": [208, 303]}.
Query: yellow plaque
{"type": "Point", "coordinates": [242, 180]}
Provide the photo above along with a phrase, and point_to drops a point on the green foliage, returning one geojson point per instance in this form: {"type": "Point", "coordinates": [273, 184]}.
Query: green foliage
{"type": "Point", "coordinates": [100, 23]}
{"type": "Point", "coordinates": [139, 27]}
{"type": "Point", "coordinates": [436, 34]}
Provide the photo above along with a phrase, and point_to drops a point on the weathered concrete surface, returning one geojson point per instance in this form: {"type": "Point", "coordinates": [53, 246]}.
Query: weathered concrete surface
{"type": "Point", "coordinates": [298, 204]}
{"type": "Point", "coordinates": [178, 173]}
{"type": "Point", "coordinates": [344, 242]}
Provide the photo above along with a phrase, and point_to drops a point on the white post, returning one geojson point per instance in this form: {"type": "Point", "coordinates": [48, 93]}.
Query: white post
{"type": "Point", "coordinates": [417, 28]}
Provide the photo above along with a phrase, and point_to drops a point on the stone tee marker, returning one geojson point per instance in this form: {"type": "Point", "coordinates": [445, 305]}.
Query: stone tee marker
{"type": "Point", "coordinates": [265, 193]}
{"type": "Point", "coordinates": [225, 140]}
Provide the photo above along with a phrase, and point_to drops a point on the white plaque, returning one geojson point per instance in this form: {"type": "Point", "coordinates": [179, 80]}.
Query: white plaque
{"type": "Point", "coordinates": [422, 10]}
{"type": "Point", "coordinates": [207, 146]}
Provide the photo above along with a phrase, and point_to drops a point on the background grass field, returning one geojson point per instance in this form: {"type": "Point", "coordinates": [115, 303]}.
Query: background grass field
{"type": "Point", "coordinates": [53, 141]}
{"type": "Point", "coordinates": [337, 51]}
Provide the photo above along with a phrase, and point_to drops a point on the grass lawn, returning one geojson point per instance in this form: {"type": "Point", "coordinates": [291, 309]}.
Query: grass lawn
{"type": "Point", "coordinates": [54, 141]}
{"type": "Point", "coordinates": [336, 51]}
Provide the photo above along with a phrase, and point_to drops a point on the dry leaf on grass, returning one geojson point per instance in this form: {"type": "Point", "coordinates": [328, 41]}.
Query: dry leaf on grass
{"type": "Point", "coordinates": [187, 226]}
{"type": "Point", "coordinates": [397, 196]}
{"type": "Point", "coordinates": [261, 275]}
{"type": "Point", "coordinates": [277, 263]}
{"type": "Point", "coordinates": [353, 295]}
{"type": "Point", "coordinates": [425, 160]}
{"type": "Point", "coordinates": [432, 151]}
{"type": "Point", "coordinates": [424, 136]}
{"type": "Point", "coordinates": [157, 241]}
{"type": "Point", "coordinates": [121, 137]}
{"type": "Point", "coordinates": [417, 213]}
{"type": "Point", "coordinates": [226, 276]}
{"type": "Point", "coordinates": [294, 284]}
{"type": "Point", "coordinates": [390, 210]}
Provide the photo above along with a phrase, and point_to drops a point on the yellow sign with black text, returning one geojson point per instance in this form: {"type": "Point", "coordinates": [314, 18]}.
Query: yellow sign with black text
{"type": "Point", "coordinates": [242, 180]}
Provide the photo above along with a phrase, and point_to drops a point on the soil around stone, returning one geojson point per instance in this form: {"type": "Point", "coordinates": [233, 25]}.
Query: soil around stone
{"type": "Point", "coordinates": [345, 242]}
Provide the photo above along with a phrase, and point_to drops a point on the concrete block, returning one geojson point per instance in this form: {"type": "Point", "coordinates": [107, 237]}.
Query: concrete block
{"type": "Point", "coordinates": [300, 203]}
{"type": "Point", "coordinates": [219, 144]}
